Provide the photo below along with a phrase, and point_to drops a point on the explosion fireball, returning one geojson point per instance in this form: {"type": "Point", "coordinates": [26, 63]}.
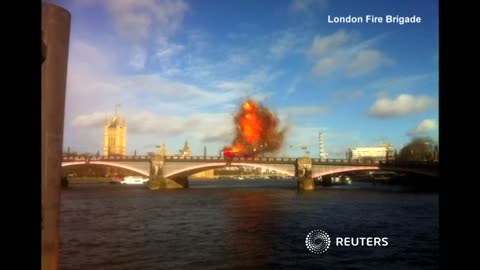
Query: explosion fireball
{"type": "Point", "coordinates": [257, 130]}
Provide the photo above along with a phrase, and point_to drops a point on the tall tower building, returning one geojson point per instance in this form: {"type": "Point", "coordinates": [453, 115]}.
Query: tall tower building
{"type": "Point", "coordinates": [115, 137]}
{"type": "Point", "coordinates": [185, 152]}
{"type": "Point", "coordinates": [163, 151]}
{"type": "Point", "coordinates": [321, 146]}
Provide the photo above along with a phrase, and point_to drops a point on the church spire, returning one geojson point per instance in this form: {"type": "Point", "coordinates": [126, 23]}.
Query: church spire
{"type": "Point", "coordinates": [116, 108]}
{"type": "Point", "coordinates": [186, 150]}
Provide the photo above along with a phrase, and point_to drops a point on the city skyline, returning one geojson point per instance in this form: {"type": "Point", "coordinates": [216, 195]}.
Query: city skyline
{"type": "Point", "coordinates": [180, 69]}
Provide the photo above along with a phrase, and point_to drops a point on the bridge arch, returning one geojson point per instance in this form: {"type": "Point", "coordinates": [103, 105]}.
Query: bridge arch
{"type": "Point", "coordinates": [104, 163]}
{"type": "Point", "coordinates": [374, 168]}
{"type": "Point", "coordinates": [347, 169]}
{"type": "Point", "coordinates": [202, 167]}
{"type": "Point", "coordinates": [411, 170]}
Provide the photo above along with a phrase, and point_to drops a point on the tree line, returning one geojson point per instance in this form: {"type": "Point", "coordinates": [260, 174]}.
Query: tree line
{"type": "Point", "coordinates": [419, 149]}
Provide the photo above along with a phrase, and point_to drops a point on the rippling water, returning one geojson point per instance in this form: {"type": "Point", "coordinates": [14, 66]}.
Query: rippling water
{"type": "Point", "coordinates": [244, 225]}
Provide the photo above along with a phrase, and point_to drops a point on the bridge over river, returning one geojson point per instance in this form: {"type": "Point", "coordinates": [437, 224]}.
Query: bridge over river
{"type": "Point", "coordinates": [177, 168]}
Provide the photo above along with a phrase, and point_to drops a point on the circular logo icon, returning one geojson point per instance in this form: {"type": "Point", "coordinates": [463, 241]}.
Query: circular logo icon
{"type": "Point", "coordinates": [317, 241]}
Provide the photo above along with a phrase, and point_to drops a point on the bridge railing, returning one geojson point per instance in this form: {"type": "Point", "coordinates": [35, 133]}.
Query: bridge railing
{"type": "Point", "coordinates": [381, 163]}
{"type": "Point", "coordinates": [409, 164]}
{"type": "Point", "coordinates": [75, 158]}
{"type": "Point", "coordinates": [237, 159]}
{"type": "Point", "coordinates": [199, 158]}
{"type": "Point", "coordinates": [391, 163]}
{"type": "Point", "coordinates": [101, 158]}
{"type": "Point", "coordinates": [331, 161]}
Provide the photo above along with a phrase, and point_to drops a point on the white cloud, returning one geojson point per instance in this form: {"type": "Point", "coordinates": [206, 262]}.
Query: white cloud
{"type": "Point", "coordinates": [138, 20]}
{"type": "Point", "coordinates": [252, 84]}
{"type": "Point", "coordinates": [168, 50]}
{"type": "Point", "coordinates": [326, 44]}
{"type": "Point", "coordinates": [94, 79]}
{"type": "Point", "coordinates": [366, 61]}
{"type": "Point", "coordinates": [423, 128]}
{"type": "Point", "coordinates": [88, 66]}
{"type": "Point", "coordinates": [344, 52]}
{"type": "Point", "coordinates": [293, 86]}
{"type": "Point", "coordinates": [139, 58]}
{"type": "Point", "coordinates": [283, 45]}
{"type": "Point", "coordinates": [324, 66]}
{"type": "Point", "coordinates": [80, 2]}
{"type": "Point", "coordinates": [150, 86]}
{"type": "Point", "coordinates": [95, 119]}
{"type": "Point", "coordinates": [403, 104]}
{"type": "Point", "coordinates": [134, 18]}
{"type": "Point", "coordinates": [306, 5]}
{"type": "Point", "coordinates": [231, 62]}
{"type": "Point", "coordinates": [237, 59]}
{"type": "Point", "coordinates": [291, 89]}
{"type": "Point", "coordinates": [82, 54]}
{"type": "Point", "coordinates": [224, 137]}
{"type": "Point", "coordinates": [198, 39]}
{"type": "Point", "coordinates": [133, 26]}
{"type": "Point", "coordinates": [235, 86]}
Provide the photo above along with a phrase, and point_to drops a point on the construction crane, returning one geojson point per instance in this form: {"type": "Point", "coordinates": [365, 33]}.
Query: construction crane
{"type": "Point", "coordinates": [306, 152]}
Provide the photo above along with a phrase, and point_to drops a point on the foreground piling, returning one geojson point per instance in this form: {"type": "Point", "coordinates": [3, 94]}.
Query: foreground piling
{"type": "Point", "coordinates": [55, 43]}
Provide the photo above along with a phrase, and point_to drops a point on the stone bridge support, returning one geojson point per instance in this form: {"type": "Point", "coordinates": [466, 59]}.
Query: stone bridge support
{"type": "Point", "coordinates": [177, 182]}
{"type": "Point", "coordinates": [157, 176]}
{"type": "Point", "coordinates": [303, 173]}
{"type": "Point", "coordinates": [156, 181]}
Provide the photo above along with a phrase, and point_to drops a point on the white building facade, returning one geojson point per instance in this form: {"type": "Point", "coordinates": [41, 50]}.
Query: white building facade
{"type": "Point", "coordinates": [376, 153]}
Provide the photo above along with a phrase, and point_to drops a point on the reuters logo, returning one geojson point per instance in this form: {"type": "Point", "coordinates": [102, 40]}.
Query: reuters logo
{"type": "Point", "coordinates": [317, 241]}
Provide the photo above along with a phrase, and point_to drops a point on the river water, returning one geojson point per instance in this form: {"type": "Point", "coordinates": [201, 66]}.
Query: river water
{"type": "Point", "coordinates": [255, 224]}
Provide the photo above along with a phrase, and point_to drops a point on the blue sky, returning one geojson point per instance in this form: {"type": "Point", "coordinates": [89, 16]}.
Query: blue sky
{"type": "Point", "coordinates": [181, 68]}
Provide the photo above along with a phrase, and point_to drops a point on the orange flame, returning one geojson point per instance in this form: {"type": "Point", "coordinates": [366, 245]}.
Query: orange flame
{"type": "Point", "coordinates": [257, 129]}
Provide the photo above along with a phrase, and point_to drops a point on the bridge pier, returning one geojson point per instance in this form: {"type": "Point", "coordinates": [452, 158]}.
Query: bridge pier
{"type": "Point", "coordinates": [157, 183]}
{"type": "Point", "coordinates": [303, 173]}
{"type": "Point", "coordinates": [166, 183]}
{"type": "Point", "coordinates": [306, 184]}
{"type": "Point", "coordinates": [177, 182]}
{"type": "Point", "coordinates": [157, 179]}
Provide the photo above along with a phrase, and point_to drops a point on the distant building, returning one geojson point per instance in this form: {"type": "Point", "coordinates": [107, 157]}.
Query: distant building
{"type": "Point", "coordinates": [185, 152]}
{"type": "Point", "coordinates": [115, 137]}
{"type": "Point", "coordinates": [382, 152]}
{"type": "Point", "coordinates": [163, 151]}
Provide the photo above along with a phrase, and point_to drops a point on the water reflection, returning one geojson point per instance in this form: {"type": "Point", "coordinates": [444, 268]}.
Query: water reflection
{"type": "Point", "coordinates": [251, 221]}
{"type": "Point", "coordinates": [261, 225]}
